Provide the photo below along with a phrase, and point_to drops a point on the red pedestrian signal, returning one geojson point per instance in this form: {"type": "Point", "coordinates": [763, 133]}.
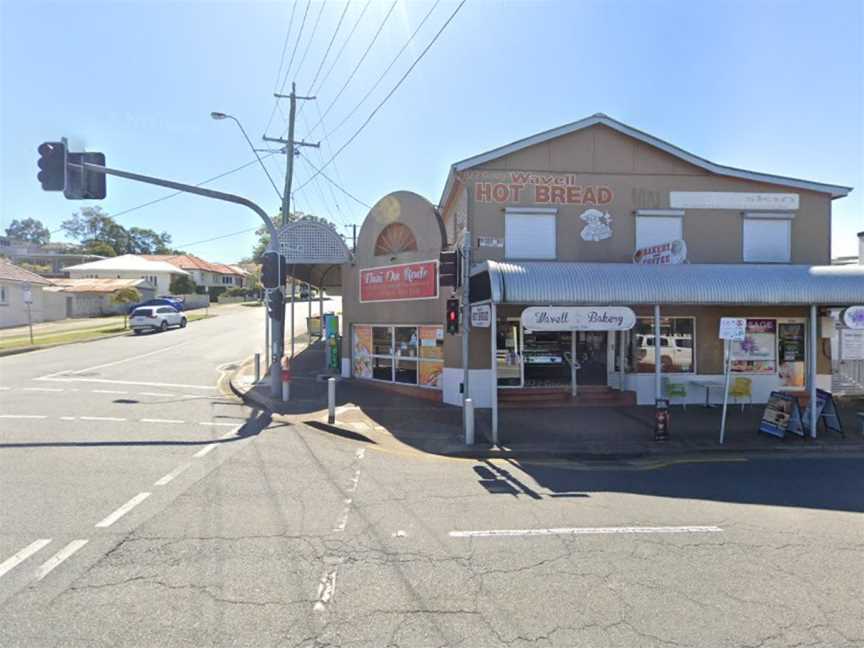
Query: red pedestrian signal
{"type": "Point", "coordinates": [453, 316]}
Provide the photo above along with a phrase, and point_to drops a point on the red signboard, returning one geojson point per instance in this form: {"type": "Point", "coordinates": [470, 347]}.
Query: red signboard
{"type": "Point", "coordinates": [400, 282]}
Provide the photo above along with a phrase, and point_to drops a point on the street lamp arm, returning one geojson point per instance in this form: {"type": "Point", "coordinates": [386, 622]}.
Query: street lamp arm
{"type": "Point", "coordinates": [255, 151]}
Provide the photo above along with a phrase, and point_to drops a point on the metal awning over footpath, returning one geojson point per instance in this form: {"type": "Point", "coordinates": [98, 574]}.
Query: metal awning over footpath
{"type": "Point", "coordinates": [314, 253]}
{"type": "Point", "coordinates": [546, 283]}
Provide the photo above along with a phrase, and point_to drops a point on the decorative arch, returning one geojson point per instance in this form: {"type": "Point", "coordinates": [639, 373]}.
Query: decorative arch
{"type": "Point", "coordinates": [308, 242]}
{"type": "Point", "coordinates": [395, 239]}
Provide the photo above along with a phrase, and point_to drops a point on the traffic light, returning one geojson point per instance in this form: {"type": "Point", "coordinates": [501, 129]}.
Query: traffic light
{"type": "Point", "coordinates": [273, 270]}
{"type": "Point", "coordinates": [453, 316]}
{"type": "Point", "coordinates": [447, 269]}
{"type": "Point", "coordinates": [275, 304]}
{"type": "Point", "coordinates": [52, 165]}
{"type": "Point", "coordinates": [83, 184]}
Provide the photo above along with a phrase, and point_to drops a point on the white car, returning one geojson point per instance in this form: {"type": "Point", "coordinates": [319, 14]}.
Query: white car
{"type": "Point", "coordinates": [156, 318]}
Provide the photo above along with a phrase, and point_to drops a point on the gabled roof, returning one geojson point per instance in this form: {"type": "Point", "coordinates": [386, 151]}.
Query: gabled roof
{"type": "Point", "coordinates": [129, 263]}
{"type": "Point", "coordinates": [836, 191]}
{"type": "Point", "coordinates": [192, 262]}
{"type": "Point", "coordinates": [100, 285]}
{"type": "Point", "coordinates": [11, 272]}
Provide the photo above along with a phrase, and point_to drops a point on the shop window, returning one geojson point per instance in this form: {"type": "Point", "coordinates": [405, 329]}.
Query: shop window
{"type": "Point", "coordinates": [530, 233]}
{"type": "Point", "coordinates": [757, 352]}
{"type": "Point", "coordinates": [767, 238]}
{"type": "Point", "coordinates": [394, 239]}
{"type": "Point", "coordinates": [382, 368]}
{"type": "Point", "coordinates": [677, 345]}
{"type": "Point", "coordinates": [412, 355]}
{"type": "Point", "coordinates": [654, 227]}
{"type": "Point", "coordinates": [382, 340]}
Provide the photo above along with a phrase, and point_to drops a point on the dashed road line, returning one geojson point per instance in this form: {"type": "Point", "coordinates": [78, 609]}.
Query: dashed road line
{"type": "Point", "coordinates": [42, 389]}
{"type": "Point", "coordinates": [203, 451]}
{"type": "Point", "coordinates": [13, 561]}
{"type": "Point", "coordinates": [67, 418]}
{"type": "Point", "coordinates": [174, 473]}
{"type": "Point", "coordinates": [101, 418]}
{"type": "Point", "coordinates": [158, 394]}
{"type": "Point", "coordinates": [23, 416]}
{"type": "Point", "coordinates": [111, 364]}
{"type": "Point", "coordinates": [126, 382]}
{"type": "Point", "coordinates": [123, 510]}
{"type": "Point", "coordinates": [48, 566]}
{"type": "Point", "coordinates": [509, 533]}
{"type": "Point", "coordinates": [108, 391]}
{"type": "Point", "coordinates": [154, 420]}
{"type": "Point", "coordinates": [217, 424]}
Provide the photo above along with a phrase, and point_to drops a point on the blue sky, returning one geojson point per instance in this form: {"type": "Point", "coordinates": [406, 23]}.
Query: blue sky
{"type": "Point", "coordinates": [768, 86]}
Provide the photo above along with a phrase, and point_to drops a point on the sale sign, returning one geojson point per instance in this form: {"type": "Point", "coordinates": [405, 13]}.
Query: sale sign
{"type": "Point", "coordinates": [400, 282]}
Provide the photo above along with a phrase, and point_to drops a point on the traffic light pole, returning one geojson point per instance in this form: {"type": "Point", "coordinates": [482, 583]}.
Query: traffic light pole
{"type": "Point", "coordinates": [277, 343]}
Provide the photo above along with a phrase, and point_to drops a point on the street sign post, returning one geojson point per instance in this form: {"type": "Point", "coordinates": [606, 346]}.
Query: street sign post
{"type": "Point", "coordinates": [28, 299]}
{"type": "Point", "coordinates": [731, 328]}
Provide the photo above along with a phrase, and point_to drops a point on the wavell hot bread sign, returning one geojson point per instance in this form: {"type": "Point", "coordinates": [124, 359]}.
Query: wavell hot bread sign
{"type": "Point", "coordinates": [400, 282]}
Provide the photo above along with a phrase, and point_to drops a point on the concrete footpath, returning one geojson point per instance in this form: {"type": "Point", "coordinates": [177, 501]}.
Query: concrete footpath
{"type": "Point", "coordinates": [400, 423]}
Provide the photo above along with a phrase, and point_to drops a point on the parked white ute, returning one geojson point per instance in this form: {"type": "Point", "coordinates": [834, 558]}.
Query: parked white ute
{"type": "Point", "coordinates": [156, 318]}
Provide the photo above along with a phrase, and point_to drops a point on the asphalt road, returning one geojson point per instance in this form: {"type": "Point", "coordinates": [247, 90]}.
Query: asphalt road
{"type": "Point", "coordinates": [289, 536]}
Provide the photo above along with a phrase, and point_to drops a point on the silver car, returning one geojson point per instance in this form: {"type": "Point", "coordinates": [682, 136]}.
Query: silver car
{"type": "Point", "coordinates": [156, 318]}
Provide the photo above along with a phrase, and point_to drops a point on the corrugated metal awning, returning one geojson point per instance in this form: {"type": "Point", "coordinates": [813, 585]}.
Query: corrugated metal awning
{"type": "Point", "coordinates": [625, 284]}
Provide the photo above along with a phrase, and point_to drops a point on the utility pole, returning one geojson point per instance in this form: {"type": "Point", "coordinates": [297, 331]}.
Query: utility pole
{"type": "Point", "coordinates": [353, 227]}
{"type": "Point", "coordinates": [290, 152]}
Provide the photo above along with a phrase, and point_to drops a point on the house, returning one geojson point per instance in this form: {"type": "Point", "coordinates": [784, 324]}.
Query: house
{"type": "Point", "coordinates": [129, 266]}
{"type": "Point", "coordinates": [53, 257]}
{"type": "Point", "coordinates": [89, 297]}
{"type": "Point", "coordinates": [16, 286]}
{"type": "Point", "coordinates": [602, 260]}
{"type": "Point", "coordinates": [204, 273]}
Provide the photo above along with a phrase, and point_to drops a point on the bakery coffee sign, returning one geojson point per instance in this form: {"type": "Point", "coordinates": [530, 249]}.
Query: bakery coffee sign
{"type": "Point", "coordinates": [540, 189]}
{"type": "Point", "coordinates": [400, 282]}
{"type": "Point", "coordinates": [578, 318]}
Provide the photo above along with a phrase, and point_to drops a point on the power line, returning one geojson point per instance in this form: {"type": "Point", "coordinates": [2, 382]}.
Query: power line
{"type": "Point", "coordinates": [329, 187]}
{"type": "Point", "coordinates": [216, 238]}
{"type": "Point", "coordinates": [296, 44]}
{"type": "Point", "coordinates": [384, 73]}
{"type": "Point", "coordinates": [311, 38]}
{"type": "Point", "coordinates": [281, 64]}
{"type": "Point", "coordinates": [327, 51]}
{"type": "Point", "coordinates": [359, 63]}
{"type": "Point", "coordinates": [390, 94]}
{"type": "Point", "coordinates": [344, 45]}
{"type": "Point", "coordinates": [334, 183]}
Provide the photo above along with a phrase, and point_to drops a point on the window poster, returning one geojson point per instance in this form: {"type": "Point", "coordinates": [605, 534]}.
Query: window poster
{"type": "Point", "coordinates": [791, 353]}
{"type": "Point", "coordinates": [431, 364]}
{"type": "Point", "coordinates": [361, 363]}
{"type": "Point", "coordinates": [430, 374]}
{"type": "Point", "coordinates": [756, 353]}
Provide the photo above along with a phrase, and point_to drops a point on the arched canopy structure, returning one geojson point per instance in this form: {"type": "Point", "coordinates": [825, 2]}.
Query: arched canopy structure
{"type": "Point", "coordinates": [314, 253]}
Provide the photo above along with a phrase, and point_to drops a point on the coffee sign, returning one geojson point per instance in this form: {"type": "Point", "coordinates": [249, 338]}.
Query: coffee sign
{"type": "Point", "coordinates": [400, 282]}
{"type": "Point", "coordinates": [663, 254]}
{"type": "Point", "coordinates": [578, 318]}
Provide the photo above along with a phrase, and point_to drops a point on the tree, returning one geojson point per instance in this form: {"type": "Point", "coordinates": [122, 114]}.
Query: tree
{"type": "Point", "coordinates": [90, 225]}
{"type": "Point", "coordinates": [99, 248]}
{"type": "Point", "coordinates": [264, 236]}
{"type": "Point", "coordinates": [182, 285]}
{"type": "Point", "coordinates": [128, 295]}
{"type": "Point", "coordinates": [30, 230]}
{"type": "Point", "coordinates": [147, 241]}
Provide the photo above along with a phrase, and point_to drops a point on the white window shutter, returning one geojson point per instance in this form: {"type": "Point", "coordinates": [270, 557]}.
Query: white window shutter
{"type": "Point", "coordinates": [766, 241]}
{"type": "Point", "coordinates": [655, 230]}
{"type": "Point", "coordinates": [529, 235]}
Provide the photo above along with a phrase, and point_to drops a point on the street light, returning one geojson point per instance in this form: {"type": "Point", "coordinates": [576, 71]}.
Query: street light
{"type": "Point", "coordinates": [218, 116]}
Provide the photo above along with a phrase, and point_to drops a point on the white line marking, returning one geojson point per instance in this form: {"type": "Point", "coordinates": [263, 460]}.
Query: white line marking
{"type": "Point", "coordinates": [109, 391]}
{"type": "Point", "coordinates": [21, 556]}
{"type": "Point", "coordinates": [101, 418]}
{"type": "Point", "coordinates": [67, 418]}
{"type": "Point", "coordinates": [326, 589]}
{"type": "Point", "coordinates": [48, 566]}
{"type": "Point", "coordinates": [158, 394]}
{"type": "Point", "coordinates": [505, 533]}
{"type": "Point", "coordinates": [5, 388]}
{"type": "Point", "coordinates": [23, 416]}
{"type": "Point", "coordinates": [43, 389]}
{"type": "Point", "coordinates": [174, 473]}
{"type": "Point", "coordinates": [126, 382]}
{"type": "Point", "coordinates": [148, 420]}
{"type": "Point", "coordinates": [218, 424]}
{"type": "Point", "coordinates": [111, 364]}
{"type": "Point", "coordinates": [203, 451]}
{"type": "Point", "coordinates": [123, 510]}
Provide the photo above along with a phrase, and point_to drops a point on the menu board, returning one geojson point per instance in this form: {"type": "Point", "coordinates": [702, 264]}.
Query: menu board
{"type": "Point", "coordinates": [792, 353]}
{"type": "Point", "coordinates": [756, 353]}
{"type": "Point", "coordinates": [851, 344]}
{"type": "Point", "coordinates": [826, 410]}
{"type": "Point", "coordinates": [781, 415]}
{"type": "Point", "coordinates": [361, 352]}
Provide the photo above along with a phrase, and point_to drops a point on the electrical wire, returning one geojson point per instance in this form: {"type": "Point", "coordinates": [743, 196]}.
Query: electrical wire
{"type": "Point", "coordinates": [281, 65]}
{"type": "Point", "coordinates": [334, 183]}
{"type": "Point", "coordinates": [342, 49]}
{"type": "Point", "coordinates": [392, 91]}
{"type": "Point", "coordinates": [329, 46]}
{"type": "Point", "coordinates": [216, 238]}
{"type": "Point", "coordinates": [311, 38]}
{"type": "Point", "coordinates": [296, 44]}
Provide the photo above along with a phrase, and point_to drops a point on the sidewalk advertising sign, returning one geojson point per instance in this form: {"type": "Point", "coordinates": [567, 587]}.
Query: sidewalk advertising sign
{"type": "Point", "coordinates": [781, 415]}
{"type": "Point", "coordinates": [578, 318]}
{"type": "Point", "coordinates": [481, 315]}
{"type": "Point", "coordinates": [733, 328]}
{"type": "Point", "coordinates": [671, 252]}
{"type": "Point", "coordinates": [826, 411]}
{"type": "Point", "coordinates": [853, 317]}
{"type": "Point", "coordinates": [402, 282]}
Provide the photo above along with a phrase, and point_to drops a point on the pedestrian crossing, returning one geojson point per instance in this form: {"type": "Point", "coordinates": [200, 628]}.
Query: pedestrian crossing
{"type": "Point", "coordinates": [21, 564]}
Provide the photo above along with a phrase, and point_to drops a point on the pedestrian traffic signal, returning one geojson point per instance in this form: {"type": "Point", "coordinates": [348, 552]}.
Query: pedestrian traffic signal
{"type": "Point", "coordinates": [273, 270]}
{"type": "Point", "coordinates": [448, 269]}
{"type": "Point", "coordinates": [82, 183]}
{"type": "Point", "coordinates": [52, 165]}
{"type": "Point", "coordinates": [453, 316]}
{"type": "Point", "coordinates": [275, 304]}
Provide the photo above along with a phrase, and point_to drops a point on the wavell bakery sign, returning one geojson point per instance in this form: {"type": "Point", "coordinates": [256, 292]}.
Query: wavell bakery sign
{"type": "Point", "coordinates": [538, 188]}
{"type": "Point", "coordinates": [578, 318]}
{"type": "Point", "coordinates": [400, 282]}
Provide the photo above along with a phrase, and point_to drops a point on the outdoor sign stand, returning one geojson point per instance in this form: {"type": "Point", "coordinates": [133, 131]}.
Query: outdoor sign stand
{"type": "Point", "coordinates": [731, 328]}
{"type": "Point", "coordinates": [28, 299]}
{"type": "Point", "coordinates": [826, 411]}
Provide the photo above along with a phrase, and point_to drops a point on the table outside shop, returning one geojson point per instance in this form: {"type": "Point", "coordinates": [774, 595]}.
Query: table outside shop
{"type": "Point", "coordinates": [708, 385]}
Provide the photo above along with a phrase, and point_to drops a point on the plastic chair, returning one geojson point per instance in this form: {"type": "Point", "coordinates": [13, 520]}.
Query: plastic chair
{"type": "Point", "coordinates": [673, 389]}
{"type": "Point", "coordinates": [741, 388]}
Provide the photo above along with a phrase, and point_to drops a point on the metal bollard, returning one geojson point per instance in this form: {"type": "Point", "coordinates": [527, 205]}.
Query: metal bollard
{"type": "Point", "coordinates": [331, 401]}
{"type": "Point", "coordinates": [469, 421]}
{"type": "Point", "coordinates": [286, 379]}
{"type": "Point", "coordinates": [257, 368]}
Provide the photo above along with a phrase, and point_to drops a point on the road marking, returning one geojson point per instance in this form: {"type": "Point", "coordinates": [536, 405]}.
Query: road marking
{"type": "Point", "coordinates": [149, 420]}
{"type": "Point", "coordinates": [101, 418]}
{"type": "Point", "coordinates": [126, 382]}
{"type": "Point", "coordinates": [5, 388]}
{"type": "Point", "coordinates": [23, 416]}
{"type": "Point", "coordinates": [174, 473]}
{"type": "Point", "coordinates": [157, 394]}
{"type": "Point", "coordinates": [203, 451]}
{"type": "Point", "coordinates": [67, 418]}
{"type": "Point", "coordinates": [506, 533]}
{"type": "Point", "coordinates": [48, 566]}
{"type": "Point", "coordinates": [218, 424]}
{"type": "Point", "coordinates": [109, 391]}
{"type": "Point", "coordinates": [111, 364]}
{"type": "Point", "coordinates": [123, 510]}
{"type": "Point", "coordinates": [24, 554]}
{"type": "Point", "coordinates": [326, 589]}
{"type": "Point", "coordinates": [43, 389]}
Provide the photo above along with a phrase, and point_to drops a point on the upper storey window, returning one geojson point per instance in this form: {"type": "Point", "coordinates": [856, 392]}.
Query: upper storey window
{"type": "Point", "coordinates": [530, 233]}
{"type": "Point", "coordinates": [658, 226]}
{"type": "Point", "coordinates": [767, 238]}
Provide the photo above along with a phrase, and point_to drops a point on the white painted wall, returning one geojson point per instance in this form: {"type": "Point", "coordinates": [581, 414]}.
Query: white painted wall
{"type": "Point", "coordinates": [13, 312]}
{"type": "Point", "coordinates": [163, 278]}
{"type": "Point", "coordinates": [479, 385]}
